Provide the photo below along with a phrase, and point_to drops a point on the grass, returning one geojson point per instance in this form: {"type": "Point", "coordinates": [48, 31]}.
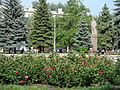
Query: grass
{"type": "Point", "coordinates": [15, 87]}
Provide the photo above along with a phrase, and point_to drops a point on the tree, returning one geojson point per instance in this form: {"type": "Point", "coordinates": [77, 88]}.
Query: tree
{"type": "Point", "coordinates": [116, 23]}
{"type": "Point", "coordinates": [67, 23]}
{"type": "Point", "coordinates": [29, 27]}
{"type": "Point", "coordinates": [0, 2]}
{"type": "Point", "coordinates": [106, 34]}
{"type": "Point", "coordinates": [54, 7]}
{"type": "Point", "coordinates": [82, 36]}
{"type": "Point", "coordinates": [42, 33]}
{"type": "Point", "coordinates": [13, 26]}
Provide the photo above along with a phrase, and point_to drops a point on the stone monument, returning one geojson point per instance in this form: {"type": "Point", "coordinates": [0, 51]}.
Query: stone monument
{"type": "Point", "coordinates": [93, 35]}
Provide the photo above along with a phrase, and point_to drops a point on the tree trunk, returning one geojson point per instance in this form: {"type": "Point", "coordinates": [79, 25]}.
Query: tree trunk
{"type": "Point", "coordinates": [14, 50]}
{"type": "Point", "coordinates": [43, 49]}
{"type": "Point", "coordinates": [40, 49]}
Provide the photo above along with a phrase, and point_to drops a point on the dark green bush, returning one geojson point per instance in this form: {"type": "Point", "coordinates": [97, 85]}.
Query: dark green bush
{"type": "Point", "coordinates": [65, 71]}
{"type": "Point", "coordinates": [117, 72]}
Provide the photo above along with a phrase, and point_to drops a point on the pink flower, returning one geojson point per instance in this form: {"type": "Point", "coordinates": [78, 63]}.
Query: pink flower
{"type": "Point", "coordinates": [100, 73]}
{"type": "Point", "coordinates": [45, 67]}
{"type": "Point", "coordinates": [26, 77]}
{"type": "Point", "coordinates": [21, 81]}
{"type": "Point", "coordinates": [16, 72]}
{"type": "Point", "coordinates": [51, 69]}
{"type": "Point", "coordinates": [72, 69]}
{"type": "Point", "coordinates": [20, 65]}
{"type": "Point", "coordinates": [98, 58]}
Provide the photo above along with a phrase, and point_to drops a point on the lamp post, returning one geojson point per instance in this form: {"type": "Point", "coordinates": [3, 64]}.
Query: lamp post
{"type": "Point", "coordinates": [54, 32]}
{"type": "Point", "coordinates": [59, 12]}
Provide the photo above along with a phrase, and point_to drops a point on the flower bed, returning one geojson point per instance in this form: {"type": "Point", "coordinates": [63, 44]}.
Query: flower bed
{"type": "Point", "coordinates": [65, 71]}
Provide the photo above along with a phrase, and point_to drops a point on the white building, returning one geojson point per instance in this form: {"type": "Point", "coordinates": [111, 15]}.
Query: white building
{"type": "Point", "coordinates": [29, 11]}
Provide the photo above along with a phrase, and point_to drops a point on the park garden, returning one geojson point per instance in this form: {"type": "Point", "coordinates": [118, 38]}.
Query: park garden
{"type": "Point", "coordinates": [46, 32]}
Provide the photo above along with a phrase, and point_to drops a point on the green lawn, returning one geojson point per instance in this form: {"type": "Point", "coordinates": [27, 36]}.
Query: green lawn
{"type": "Point", "coordinates": [15, 87]}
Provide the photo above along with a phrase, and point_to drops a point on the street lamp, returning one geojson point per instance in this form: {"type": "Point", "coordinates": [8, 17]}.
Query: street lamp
{"type": "Point", "coordinates": [59, 12]}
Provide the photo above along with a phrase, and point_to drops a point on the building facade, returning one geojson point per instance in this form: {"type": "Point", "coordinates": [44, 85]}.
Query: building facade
{"type": "Point", "coordinates": [30, 11]}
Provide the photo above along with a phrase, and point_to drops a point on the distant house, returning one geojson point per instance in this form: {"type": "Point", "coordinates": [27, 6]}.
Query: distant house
{"type": "Point", "coordinates": [30, 10]}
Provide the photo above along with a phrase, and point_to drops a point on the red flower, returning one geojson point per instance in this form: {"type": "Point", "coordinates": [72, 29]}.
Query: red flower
{"type": "Point", "coordinates": [16, 72]}
{"type": "Point", "coordinates": [72, 69]}
{"type": "Point", "coordinates": [26, 77]}
{"type": "Point", "coordinates": [49, 73]}
{"type": "Point", "coordinates": [54, 66]}
{"type": "Point", "coordinates": [21, 81]}
{"type": "Point", "coordinates": [91, 63]}
{"type": "Point", "coordinates": [51, 69]}
{"type": "Point", "coordinates": [45, 67]}
{"type": "Point", "coordinates": [98, 58]}
{"type": "Point", "coordinates": [84, 66]}
{"type": "Point", "coordinates": [100, 73]}
{"type": "Point", "coordinates": [87, 63]}
{"type": "Point", "coordinates": [82, 62]}
{"type": "Point", "coordinates": [20, 65]}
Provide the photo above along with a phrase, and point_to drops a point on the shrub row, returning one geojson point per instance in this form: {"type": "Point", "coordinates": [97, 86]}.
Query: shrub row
{"type": "Point", "coordinates": [65, 71]}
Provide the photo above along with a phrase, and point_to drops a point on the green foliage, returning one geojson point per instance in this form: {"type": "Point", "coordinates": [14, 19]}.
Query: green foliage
{"type": "Point", "coordinates": [68, 71]}
{"type": "Point", "coordinates": [67, 23]}
{"type": "Point", "coordinates": [82, 36]}
{"type": "Point", "coordinates": [82, 49]}
{"type": "Point", "coordinates": [106, 33]}
{"type": "Point", "coordinates": [117, 72]}
{"type": "Point", "coordinates": [12, 30]}
{"type": "Point", "coordinates": [42, 33]}
{"type": "Point", "coordinates": [29, 27]}
{"type": "Point", "coordinates": [116, 23]}
{"type": "Point", "coordinates": [54, 7]}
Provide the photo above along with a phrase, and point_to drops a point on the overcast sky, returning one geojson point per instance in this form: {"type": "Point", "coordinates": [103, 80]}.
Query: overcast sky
{"type": "Point", "coordinates": [95, 6]}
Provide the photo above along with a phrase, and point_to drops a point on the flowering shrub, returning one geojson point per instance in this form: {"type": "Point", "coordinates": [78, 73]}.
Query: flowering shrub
{"type": "Point", "coordinates": [65, 71]}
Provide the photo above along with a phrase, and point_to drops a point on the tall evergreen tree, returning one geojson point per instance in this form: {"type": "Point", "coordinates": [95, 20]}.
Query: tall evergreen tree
{"type": "Point", "coordinates": [0, 2]}
{"type": "Point", "coordinates": [42, 34]}
{"type": "Point", "coordinates": [116, 23]}
{"type": "Point", "coordinates": [106, 34]}
{"type": "Point", "coordinates": [82, 36]}
{"type": "Point", "coordinates": [13, 26]}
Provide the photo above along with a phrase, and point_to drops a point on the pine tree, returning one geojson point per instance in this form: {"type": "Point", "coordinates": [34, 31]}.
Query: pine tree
{"type": "Point", "coordinates": [42, 34]}
{"type": "Point", "coordinates": [106, 34]}
{"type": "Point", "coordinates": [116, 23]}
{"type": "Point", "coordinates": [82, 36]}
{"type": "Point", "coordinates": [13, 27]}
{"type": "Point", "coordinates": [0, 2]}
{"type": "Point", "coordinates": [2, 41]}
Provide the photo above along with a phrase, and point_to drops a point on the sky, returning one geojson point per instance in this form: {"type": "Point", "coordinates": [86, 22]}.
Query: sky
{"type": "Point", "coordinates": [95, 6]}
